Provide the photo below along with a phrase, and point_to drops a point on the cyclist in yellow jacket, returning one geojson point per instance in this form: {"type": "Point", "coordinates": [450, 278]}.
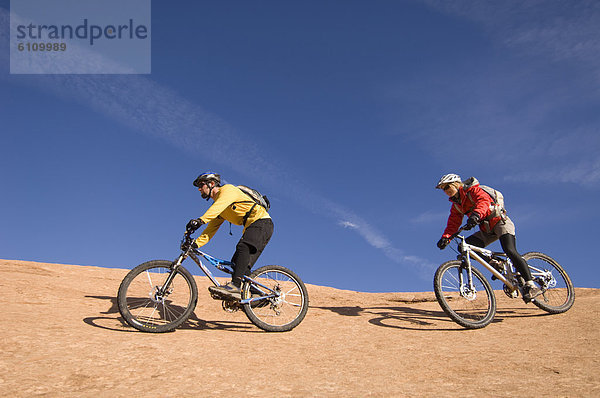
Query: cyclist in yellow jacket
{"type": "Point", "coordinates": [233, 205]}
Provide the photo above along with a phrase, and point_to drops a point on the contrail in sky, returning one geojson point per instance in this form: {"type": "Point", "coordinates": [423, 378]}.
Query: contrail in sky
{"type": "Point", "coordinates": [164, 114]}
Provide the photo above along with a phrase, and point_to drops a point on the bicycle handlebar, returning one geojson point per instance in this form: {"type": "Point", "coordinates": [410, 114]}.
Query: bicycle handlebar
{"type": "Point", "coordinates": [463, 228]}
{"type": "Point", "coordinates": [187, 240]}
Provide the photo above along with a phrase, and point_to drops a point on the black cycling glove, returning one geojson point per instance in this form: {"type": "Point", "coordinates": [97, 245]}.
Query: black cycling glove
{"type": "Point", "coordinates": [473, 220]}
{"type": "Point", "coordinates": [194, 224]}
{"type": "Point", "coordinates": [442, 243]}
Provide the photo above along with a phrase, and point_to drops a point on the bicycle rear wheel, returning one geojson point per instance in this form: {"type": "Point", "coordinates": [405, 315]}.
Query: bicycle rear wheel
{"type": "Point", "coordinates": [282, 313]}
{"type": "Point", "coordinates": [144, 305]}
{"type": "Point", "coordinates": [472, 307]}
{"type": "Point", "coordinates": [558, 293]}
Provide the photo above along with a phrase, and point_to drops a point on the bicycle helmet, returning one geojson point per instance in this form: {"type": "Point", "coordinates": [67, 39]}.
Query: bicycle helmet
{"type": "Point", "coordinates": [207, 177]}
{"type": "Point", "coordinates": [447, 179]}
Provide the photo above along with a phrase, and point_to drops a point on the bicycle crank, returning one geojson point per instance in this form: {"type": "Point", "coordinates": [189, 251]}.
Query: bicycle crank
{"type": "Point", "coordinates": [510, 293]}
{"type": "Point", "coordinates": [230, 306]}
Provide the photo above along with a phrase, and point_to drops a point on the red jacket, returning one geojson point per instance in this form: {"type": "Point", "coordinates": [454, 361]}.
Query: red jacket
{"type": "Point", "coordinates": [472, 200]}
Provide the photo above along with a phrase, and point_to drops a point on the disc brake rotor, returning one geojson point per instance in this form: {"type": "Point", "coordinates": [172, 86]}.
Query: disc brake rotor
{"type": "Point", "coordinates": [155, 296]}
{"type": "Point", "coordinates": [468, 293]}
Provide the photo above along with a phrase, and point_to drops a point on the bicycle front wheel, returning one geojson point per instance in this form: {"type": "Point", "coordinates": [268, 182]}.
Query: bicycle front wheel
{"type": "Point", "coordinates": [281, 313]}
{"type": "Point", "coordinates": [472, 307]}
{"type": "Point", "coordinates": [558, 293]}
{"type": "Point", "coordinates": [148, 305]}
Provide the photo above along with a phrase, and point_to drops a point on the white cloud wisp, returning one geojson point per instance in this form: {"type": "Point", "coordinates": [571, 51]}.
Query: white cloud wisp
{"type": "Point", "coordinates": [145, 106]}
{"type": "Point", "coordinates": [530, 109]}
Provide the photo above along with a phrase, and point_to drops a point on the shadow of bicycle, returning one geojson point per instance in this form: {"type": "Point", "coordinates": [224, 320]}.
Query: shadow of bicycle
{"type": "Point", "coordinates": [516, 312]}
{"type": "Point", "coordinates": [398, 317]}
{"type": "Point", "coordinates": [118, 324]}
{"type": "Point", "coordinates": [412, 318]}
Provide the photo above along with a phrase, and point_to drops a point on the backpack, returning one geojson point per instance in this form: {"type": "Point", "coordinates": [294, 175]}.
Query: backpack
{"type": "Point", "coordinates": [497, 207]}
{"type": "Point", "coordinates": [257, 198]}
{"type": "Point", "coordinates": [496, 195]}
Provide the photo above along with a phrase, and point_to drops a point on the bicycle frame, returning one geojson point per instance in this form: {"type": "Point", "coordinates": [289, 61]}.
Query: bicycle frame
{"type": "Point", "coordinates": [468, 251]}
{"type": "Point", "coordinates": [222, 265]}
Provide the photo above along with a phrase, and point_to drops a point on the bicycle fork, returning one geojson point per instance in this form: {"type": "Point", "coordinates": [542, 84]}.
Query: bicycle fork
{"type": "Point", "coordinates": [163, 291]}
{"type": "Point", "coordinates": [466, 289]}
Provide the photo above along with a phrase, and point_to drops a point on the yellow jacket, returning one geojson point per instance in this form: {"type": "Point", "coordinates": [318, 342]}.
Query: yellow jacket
{"type": "Point", "coordinates": [231, 204]}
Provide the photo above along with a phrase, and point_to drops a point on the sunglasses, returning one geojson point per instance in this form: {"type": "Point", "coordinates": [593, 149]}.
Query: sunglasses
{"type": "Point", "coordinates": [446, 187]}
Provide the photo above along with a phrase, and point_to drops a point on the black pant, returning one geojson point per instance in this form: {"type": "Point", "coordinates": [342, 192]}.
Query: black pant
{"type": "Point", "coordinates": [249, 248]}
{"type": "Point", "coordinates": [509, 246]}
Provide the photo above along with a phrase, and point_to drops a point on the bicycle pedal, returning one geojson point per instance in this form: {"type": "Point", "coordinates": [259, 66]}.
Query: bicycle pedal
{"type": "Point", "coordinates": [215, 296]}
{"type": "Point", "coordinates": [222, 296]}
{"type": "Point", "coordinates": [541, 293]}
{"type": "Point", "coordinates": [219, 295]}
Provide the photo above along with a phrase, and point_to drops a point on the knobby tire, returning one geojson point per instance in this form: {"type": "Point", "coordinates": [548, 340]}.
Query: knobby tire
{"type": "Point", "coordinates": [472, 312]}
{"type": "Point", "coordinates": [558, 291]}
{"type": "Point", "coordinates": [146, 311]}
{"type": "Point", "coordinates": [277, 314]}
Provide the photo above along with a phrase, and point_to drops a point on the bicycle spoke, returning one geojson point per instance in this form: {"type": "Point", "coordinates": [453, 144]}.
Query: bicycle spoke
{"type": "Point", "coordinates": [558, 293]}
{"type": "Point", "coordinates": [470, 305]}
{"type": "Point", "coordinates": [288, 304]}
{"type": "Point", "coordinates": [148, 305]}
{"type": "Point", "coordinates": [149, 278]}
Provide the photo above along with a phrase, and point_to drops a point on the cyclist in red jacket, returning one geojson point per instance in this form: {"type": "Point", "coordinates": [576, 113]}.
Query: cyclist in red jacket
{"type": "Point", "coordinates": [471, 200]}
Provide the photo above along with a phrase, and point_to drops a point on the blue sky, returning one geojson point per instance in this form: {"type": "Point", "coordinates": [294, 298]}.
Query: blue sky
{"type": "Point", "coordinates": [345, 113]}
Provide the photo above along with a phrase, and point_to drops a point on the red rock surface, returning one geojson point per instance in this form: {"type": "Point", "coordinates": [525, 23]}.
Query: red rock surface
{"type": "Point", "coordinates": [62, 336]}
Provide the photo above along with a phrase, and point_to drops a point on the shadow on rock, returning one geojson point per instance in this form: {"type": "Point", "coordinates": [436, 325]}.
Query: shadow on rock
{"type": "Point", "coordinates": [411, 318]}
{"type": "Point", "coordinates": [192, 323]}
{"type": "Point", "coordinates": [397, 317]}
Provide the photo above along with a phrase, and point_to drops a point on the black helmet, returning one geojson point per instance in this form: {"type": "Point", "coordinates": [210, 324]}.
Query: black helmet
{"type": "Point", "coordinates": [207, 177]}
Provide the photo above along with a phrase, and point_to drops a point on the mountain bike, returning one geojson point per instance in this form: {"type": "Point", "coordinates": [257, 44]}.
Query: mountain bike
{"type": "Point", "coordinates": [467, 297]}
{"type": "Point", "coordinates": [159, 295]}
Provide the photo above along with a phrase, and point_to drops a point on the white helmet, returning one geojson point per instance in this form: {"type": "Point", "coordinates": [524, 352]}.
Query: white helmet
{"type": "Point", "coordinates": [447, 179]}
